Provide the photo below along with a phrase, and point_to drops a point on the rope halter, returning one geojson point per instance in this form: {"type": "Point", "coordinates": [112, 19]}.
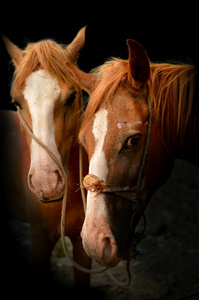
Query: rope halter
{"type": "Point", "coordinates": [94, 184]}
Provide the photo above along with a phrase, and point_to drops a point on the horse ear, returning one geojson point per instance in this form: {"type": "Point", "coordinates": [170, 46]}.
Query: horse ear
{"type": "Point", "coordinates": [15, 52]}
{"type": "Point", "coordinates": [76, 45]}
{"type": "Point", "coordinates": [85, 80]}
{"type": "Point", "coordinates": [139, 67]}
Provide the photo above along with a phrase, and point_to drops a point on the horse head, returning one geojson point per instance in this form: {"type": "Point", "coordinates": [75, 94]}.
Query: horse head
{"type": "Point", "coordinates": [115, 133]}
{"type": "Point", "coordinates": [49, 100]}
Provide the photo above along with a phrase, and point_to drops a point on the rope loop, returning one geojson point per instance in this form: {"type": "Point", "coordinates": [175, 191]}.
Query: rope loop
{"type": "Point", "coordinates": [94, 184]}
{"type": "Point", "coordinates": [64, 203]}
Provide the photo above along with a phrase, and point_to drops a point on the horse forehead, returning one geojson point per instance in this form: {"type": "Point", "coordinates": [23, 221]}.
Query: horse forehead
{"type": "Point", "coordinates": [41, 85]}
{"type": "Point", "coordinates": [95, 134]}
{"type": "Point", "coordinates": [98, 163]}
{"type": "Point", "coordinates": [130, 112]}
{"type": "Point", "coordinates": [100, 124]}
{"type": "Point", "coordinates": [40, 92]}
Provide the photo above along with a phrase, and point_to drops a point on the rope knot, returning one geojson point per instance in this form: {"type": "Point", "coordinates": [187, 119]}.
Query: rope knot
{"type": "Point", "coordinates": [93, 184]}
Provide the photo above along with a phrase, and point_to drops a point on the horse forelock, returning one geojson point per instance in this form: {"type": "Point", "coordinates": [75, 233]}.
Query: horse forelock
{"type": "Point", "coordinates": [47, 55]}
{"type": "Point", "coordinates": [110, 74]}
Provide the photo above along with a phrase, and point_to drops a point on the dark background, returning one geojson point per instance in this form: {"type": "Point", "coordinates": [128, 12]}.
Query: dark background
{"type": "Point", "coordinates": [165, 32]}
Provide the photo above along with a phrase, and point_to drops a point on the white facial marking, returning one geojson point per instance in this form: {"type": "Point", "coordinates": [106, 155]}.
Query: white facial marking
{"type": "Point", "coordinates": [41, 91]}
{"type": "Point", "coordinates": [98, 164]}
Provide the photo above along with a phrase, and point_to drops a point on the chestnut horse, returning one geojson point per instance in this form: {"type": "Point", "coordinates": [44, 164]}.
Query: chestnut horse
{"type": "Point", "coordinates": [140, 117]}
{"type": "Point", "coordinates": [49, 100]}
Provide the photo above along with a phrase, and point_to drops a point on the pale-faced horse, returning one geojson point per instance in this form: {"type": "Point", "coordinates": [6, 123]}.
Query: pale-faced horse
{"type": "Point", "coordinates": [49, 102]}
{"type": "Point", "coordinates": [140, 117]}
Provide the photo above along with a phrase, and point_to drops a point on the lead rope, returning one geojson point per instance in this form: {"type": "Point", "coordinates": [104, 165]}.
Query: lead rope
{"type": "Point", "coordinates": [81, 177]}
{"type": "Point", "coordinates": [136, 189]}
{"type": "Point", "coordinates": [64, 203]}
{"type": "Point", "coordinates": [119, 283]}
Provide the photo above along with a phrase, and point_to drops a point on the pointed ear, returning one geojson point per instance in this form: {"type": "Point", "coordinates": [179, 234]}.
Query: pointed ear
{"type": "Point", "coordinates": [139, 67]}
{"type": "Point", "coordinates": [85, 80]}
{"type": "Point", "coordinates": [15, 52]}
{"type": "Point", "coordinates": [76, 45]}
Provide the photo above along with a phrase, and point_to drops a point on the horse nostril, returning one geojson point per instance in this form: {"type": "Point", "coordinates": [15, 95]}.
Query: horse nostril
{"type": "Point", "coordinates": [60, 180]}
{"type": "Point", "coordinates": [107, 249]}
{"type": "Point", "coordinates": [31, 186]}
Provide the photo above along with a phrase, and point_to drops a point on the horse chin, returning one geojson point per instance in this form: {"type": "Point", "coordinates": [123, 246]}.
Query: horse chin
{"type": "Point", "coordinates": [45, 199]}
{"type": "Point", "coordinates": [105, 259]}
{"type": "Point", "coordinates": [108, 263]}
{"type": "Point", "coordinates": [111, 264]}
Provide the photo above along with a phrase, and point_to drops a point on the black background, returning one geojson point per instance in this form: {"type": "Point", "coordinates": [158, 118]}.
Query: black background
{"type": "Point", "coordinates": [165, 32]}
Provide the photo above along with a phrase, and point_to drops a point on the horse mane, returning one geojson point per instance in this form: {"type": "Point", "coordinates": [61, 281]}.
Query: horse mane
{"type": "Point", "coordinates": [46, 54]}
{"type": "Point", "coordinates": [173, 96]}
{"type": "Point", "coordinates": [171, 89]}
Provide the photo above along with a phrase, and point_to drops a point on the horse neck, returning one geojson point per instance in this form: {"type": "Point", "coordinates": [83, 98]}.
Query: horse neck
{"type": "Point", "coordinates": [174, 97]}
{"type": "Point", "coordinates": [184, 147]}
{"type": "Point", "coordinates": [73, 157]}
{"type": "Point", "coordinates": [73, 160]}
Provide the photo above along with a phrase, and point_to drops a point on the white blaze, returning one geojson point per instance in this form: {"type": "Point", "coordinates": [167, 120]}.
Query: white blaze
{"type": "Point", "coordinates": [98, 164]}
{"type": "Point", "coordinates": [41, 91]}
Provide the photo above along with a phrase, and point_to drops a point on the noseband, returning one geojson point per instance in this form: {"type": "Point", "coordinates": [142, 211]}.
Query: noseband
{"type": "Point", "coordinates": [94, 184]}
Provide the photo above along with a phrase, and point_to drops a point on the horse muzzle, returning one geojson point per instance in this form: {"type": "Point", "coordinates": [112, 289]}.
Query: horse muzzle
{"type": "Point", "coordinates": [112, 237]}
{"type": "Point", "coordinates": [46, 185]}
{"type": "Point", "coordinates": [100, 244]}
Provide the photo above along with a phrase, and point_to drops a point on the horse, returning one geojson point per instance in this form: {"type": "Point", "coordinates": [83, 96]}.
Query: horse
{"type": "Point", "coordinates": [49, 101]}
{"type": "Point", "coordinates": [139, 119]}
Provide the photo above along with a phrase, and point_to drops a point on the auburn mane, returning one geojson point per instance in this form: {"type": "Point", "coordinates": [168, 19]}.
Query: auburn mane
{"type": "Point", "coordinates": [45, 54]}
{"type": "Point", "coordinates": [172, 96]}
{"type": "Point", "coordinates": [171, 89]}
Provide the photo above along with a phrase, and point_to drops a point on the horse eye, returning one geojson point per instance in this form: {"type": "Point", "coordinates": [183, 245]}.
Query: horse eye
{"type": "Point", "coordinates": [71, 98]}
{"type": "Point", "coordinates": [16, 103]}
{"type": "Point", "coordinates": [133, 141]}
